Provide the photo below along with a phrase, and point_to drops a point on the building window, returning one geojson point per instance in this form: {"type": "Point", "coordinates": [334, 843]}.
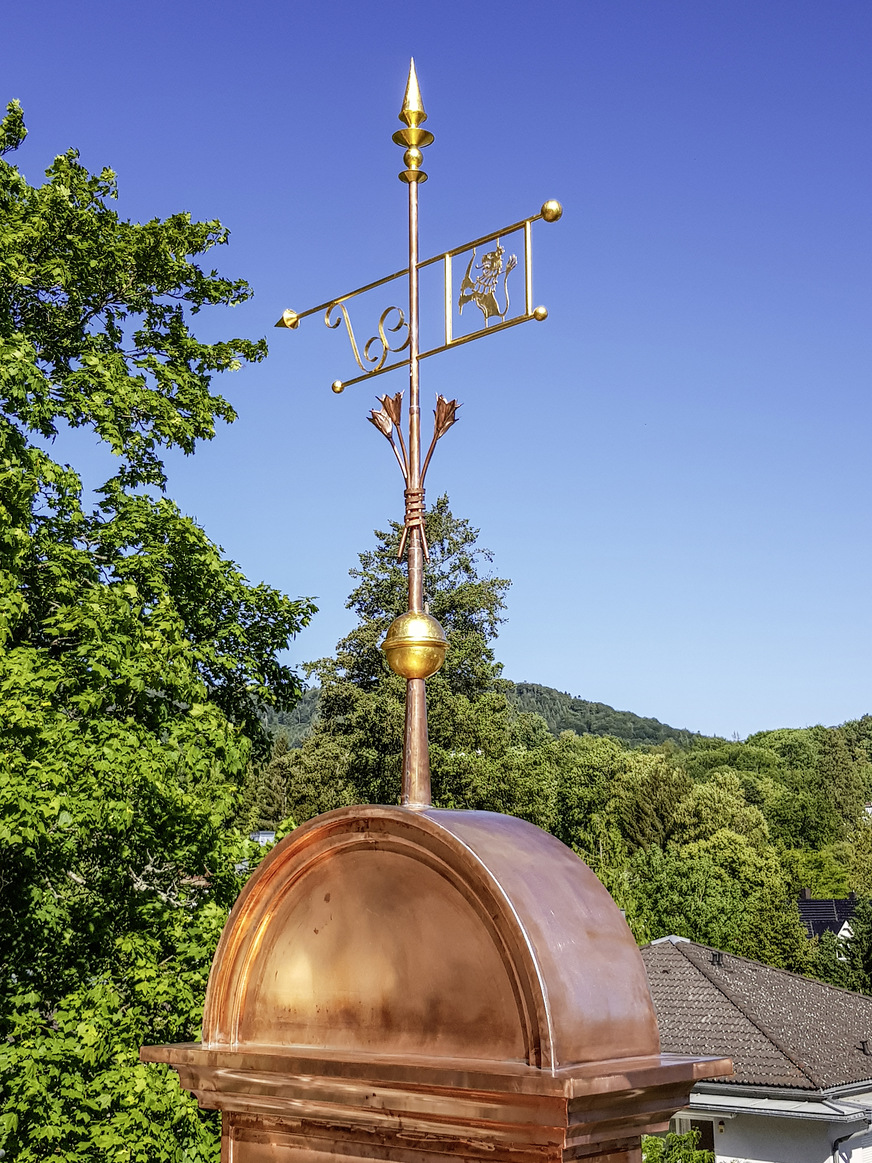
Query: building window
{"type": "Point", "coordinates": [705, 1130]}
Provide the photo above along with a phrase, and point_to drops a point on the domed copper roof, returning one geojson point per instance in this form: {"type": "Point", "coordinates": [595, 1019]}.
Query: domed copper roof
{"type": "Point", "coordinates": [450, 935]}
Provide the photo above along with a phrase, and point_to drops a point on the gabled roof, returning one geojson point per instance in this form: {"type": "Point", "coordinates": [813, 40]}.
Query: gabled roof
{"type": "Point", "coordinates": [820, 915]}
{"type": "Point", "coordinates": [780, 1029]}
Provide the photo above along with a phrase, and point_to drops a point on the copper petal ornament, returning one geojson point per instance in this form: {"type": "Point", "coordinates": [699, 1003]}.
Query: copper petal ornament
{"type": "Point", "coordinates": [446, 415]}
{"type": "Point", "coordinates": [382, 421]}
{"type": "Point", "coordinates": [393, 405]}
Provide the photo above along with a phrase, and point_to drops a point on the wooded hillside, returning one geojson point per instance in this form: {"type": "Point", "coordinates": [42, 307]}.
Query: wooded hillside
{"type": "Point", "coordinates": [561, 711]}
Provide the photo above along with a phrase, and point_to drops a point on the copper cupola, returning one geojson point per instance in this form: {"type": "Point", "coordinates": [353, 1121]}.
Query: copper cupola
{"type": "Point", "coordinates": [409, 984]}
{"type": "Point", "coordinates": [404, 985]}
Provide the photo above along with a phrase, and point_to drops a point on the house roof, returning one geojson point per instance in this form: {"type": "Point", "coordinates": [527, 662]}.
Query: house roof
{"type": "Point", "coordinates": [821, 915]}
{"type": "Point", "coordinates": [780, 1029]}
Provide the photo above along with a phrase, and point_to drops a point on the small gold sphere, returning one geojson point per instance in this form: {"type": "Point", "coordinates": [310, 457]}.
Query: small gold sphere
{"type": "Point", "coordinates": [551, 210]}
{"type": "Point", "coordinates": [413, 158]}
{"type": "Point", "coordinates": [540, 313]}
{"type": "Point", "coordinates": [415, 645]}
{"type": "Point", "coordinates": [338, 386]}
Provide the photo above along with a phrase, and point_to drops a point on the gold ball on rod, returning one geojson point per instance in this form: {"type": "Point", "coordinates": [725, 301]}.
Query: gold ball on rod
{"type": "Point", "coordinates": [551, 210]}
{"type": "Point", "coordinates": [540, 313]}
{"type": "Point", "coordinates": [338, 386]}
{"type": "Point", "coordinates": [415, 645]}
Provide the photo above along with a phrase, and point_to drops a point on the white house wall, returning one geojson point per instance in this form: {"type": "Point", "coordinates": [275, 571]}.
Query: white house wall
{"type": "Point", "coordinates": [858, 1151]}
{"type": "Point", "coordinates": [764, 1139]}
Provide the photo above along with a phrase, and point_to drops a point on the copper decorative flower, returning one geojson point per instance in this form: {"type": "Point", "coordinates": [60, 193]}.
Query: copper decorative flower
{"type": "Point", "coordinates": [382, 421]}
{"type": "Point", "coordinates": [446, 415]}
{"type": "Point", "coordinates": [393, 406]}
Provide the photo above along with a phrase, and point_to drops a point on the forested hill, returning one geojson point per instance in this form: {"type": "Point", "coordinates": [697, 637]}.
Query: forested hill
{"type": "Point", "coordinates": [563, 712]}
{"type": "Point", "coordinates": [295, 724]}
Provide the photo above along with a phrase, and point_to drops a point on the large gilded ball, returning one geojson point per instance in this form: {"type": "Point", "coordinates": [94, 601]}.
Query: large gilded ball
{"type": "Point", "coordinates": [415, 645]}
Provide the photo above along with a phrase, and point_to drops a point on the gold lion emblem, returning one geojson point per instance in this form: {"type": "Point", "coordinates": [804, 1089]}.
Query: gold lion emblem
{"type": "Point", "coordinates": [481, 282]}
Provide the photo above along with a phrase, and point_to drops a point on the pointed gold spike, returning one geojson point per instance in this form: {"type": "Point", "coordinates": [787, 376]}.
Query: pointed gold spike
{"type": "Point", "coordinates": [412, 111]}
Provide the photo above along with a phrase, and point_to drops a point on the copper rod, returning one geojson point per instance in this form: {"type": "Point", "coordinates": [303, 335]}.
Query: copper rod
{"type": "Point", "coordinates": [415, 602]}
{"type": "Point", "coordinates": [427, 458]}
{"type": "Point", "coordinates": [416, 753]}
{"type": "Point", "coordinates": [404, 463]}
{"type": "Point", "coordinates": [400, 460]}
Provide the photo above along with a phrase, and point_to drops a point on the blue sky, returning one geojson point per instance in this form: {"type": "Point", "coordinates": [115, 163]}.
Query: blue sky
{"type": "Point", "coordinates": [674, 468]}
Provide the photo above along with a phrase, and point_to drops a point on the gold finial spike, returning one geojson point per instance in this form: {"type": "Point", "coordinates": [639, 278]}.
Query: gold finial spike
{"type": "Point", "coordinates": [414, 138]}
{"type": "Point", "coordinates": [412, 111]}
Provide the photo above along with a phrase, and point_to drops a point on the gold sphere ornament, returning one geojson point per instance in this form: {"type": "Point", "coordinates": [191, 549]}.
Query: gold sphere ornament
{"type": "Point", "coordinates": [540, 313]}
{"type": "Point", "coordinates": [415, 645]}
{"type": "Point", "coordinates": [551, 210]}
{"type": "Point", "coordinates": [338, 386]}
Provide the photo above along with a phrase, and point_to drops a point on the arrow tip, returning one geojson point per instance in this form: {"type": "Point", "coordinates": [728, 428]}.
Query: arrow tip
{"type": "Point", "coordinates": [412, 112]}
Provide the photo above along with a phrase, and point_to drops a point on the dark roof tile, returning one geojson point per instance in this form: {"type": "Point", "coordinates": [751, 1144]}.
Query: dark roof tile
{"type": "Point", "coordinates": [780, 1029]}
{"type": "Point", "coordinates": [822, 914]}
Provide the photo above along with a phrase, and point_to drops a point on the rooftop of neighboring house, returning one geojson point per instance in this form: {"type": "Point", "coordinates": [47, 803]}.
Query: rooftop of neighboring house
{"type": "Point", "coordinates": [780, 1029]}
{"type": "Point", "coordinates": [822, 914]}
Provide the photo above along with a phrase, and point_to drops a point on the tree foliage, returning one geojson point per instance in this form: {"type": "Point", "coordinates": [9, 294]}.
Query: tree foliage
{"type": "Point", "coordinates": [673, 1148]}
{"type": "Point", "coordinates": [858, 948]}
{"type": "Point", "coordinates": [133, 656]}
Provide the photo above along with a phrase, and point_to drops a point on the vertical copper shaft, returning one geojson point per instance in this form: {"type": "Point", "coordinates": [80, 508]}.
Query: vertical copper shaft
{"type": "Point", "coordinates": [416, 563]}
{"type": "Point", "coordinates": [416, 754]}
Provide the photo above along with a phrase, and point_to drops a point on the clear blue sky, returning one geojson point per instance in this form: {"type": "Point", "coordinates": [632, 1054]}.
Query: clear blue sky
{"type": "Point", "coordinates": [674, 469]}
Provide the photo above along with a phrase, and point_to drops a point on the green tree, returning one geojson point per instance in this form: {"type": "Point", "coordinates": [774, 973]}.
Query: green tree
{"type": "Point", "coordinates": [706, 755]}
{"type": "Point", "coordinates": [722, 891]}
{"type": "Point", "coordinates": [826, 872]}
{"type": "Point", "coordinates": [795, 747]}
{"type": "Point", "coordinates": [587, 765]}
{"type": "Point", "coordinates": [715, 804]}
{"type": "Point", "coordinates": [829, 961]}
{"type": "Point", "coordinates": [645, 796]}
{"type": "Point", "coordinates": [859, 947]}
{"type": "Point", "coordinates": [265, 790]}
{"type": "Point", "coordinates": [844, 778]}
{"type": "Point", "coordinates": [858, 736]}
{"type": "Point", "coordinates": [861, 858]}
{"type": "Point", "coordinates": [800, 817]}
{"type": "Point", "coordinates": [672, 1148]}
{"type": "Point", "coordinates": [483, 754]}
{"type": "Point", "coordinates": [824, 782]}
{"type": "Point", "coordinates": [133, 657]}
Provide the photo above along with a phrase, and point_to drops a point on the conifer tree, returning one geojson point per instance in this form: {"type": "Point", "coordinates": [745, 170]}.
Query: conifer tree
{"type": "Point", "coordinates": [483, 754]}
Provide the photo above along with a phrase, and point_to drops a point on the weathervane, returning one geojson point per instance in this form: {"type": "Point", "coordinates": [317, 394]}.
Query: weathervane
{"type": "Point", "coordinates": [415, 644]}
